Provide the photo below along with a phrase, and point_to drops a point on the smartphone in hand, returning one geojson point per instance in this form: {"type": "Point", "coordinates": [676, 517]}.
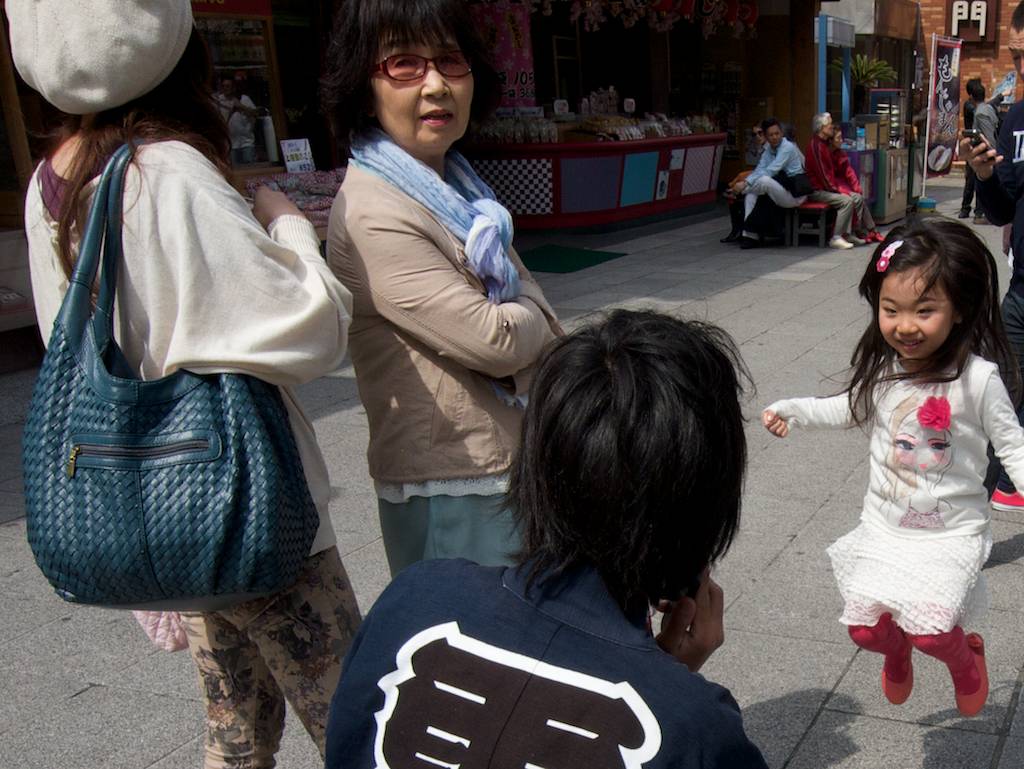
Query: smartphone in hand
{"type": "Point", "coordinates": [974, 135]}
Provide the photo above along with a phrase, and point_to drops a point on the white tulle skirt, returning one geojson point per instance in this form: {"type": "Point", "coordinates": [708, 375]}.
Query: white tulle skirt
{"type": "Point", "coordinates": [929, 585]}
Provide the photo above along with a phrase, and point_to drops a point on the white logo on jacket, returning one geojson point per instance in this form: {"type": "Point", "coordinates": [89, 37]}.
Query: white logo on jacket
{"type": "Point", "coordinates": [454, 701]}
{"type": "Point", "coordinates": [1018, 146]}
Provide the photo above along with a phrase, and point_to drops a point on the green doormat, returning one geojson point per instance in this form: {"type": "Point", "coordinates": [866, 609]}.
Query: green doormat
{"type": "Point", "coordinates": [552, 258]}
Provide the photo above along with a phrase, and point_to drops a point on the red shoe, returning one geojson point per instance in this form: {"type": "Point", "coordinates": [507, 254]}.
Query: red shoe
{"type": "Point", "coordinates": [874, 237]}
{"type": "Point", "coordinates": [898, 672]}
{"type": "Point", "coordinates": [1008, 502]}
{"type": "Point", "coordinates": [898, 693]}
{"type": "Point", "coordinates": [970, 704]}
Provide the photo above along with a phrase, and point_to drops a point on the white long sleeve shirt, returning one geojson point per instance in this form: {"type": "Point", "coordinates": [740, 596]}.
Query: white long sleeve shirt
{"type": "Point", "coordinates": [929, 449]}
{"type": "Point", "coordinates": [203, 287]}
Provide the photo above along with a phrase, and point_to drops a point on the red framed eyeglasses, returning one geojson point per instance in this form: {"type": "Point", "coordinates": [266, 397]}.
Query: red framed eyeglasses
{"type": "Point", "coordinates": [404, 67]}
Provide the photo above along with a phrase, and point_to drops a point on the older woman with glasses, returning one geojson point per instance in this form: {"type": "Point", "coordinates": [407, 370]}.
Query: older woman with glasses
{"type": "Point", "coordinates": [447, 322]}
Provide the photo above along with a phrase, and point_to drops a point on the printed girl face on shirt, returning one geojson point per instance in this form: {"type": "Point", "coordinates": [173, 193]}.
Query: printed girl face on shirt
{"type": "Point", "coordinates": [922, 450]}
{"type": "Point", "coordinates": [426, 116]}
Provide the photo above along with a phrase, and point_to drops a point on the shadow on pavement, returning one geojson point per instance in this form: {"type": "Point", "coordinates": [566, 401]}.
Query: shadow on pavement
{"type": "Point", "coordinates": [780, 727]}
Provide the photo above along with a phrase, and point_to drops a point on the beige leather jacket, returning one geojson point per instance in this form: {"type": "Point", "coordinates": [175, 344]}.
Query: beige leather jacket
{"type": "Point", "coordinates": [426, 343]}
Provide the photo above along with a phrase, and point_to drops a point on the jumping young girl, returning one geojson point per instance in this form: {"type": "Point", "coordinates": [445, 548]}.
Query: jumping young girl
{"type": "Point", "coordinates": [926, 378]}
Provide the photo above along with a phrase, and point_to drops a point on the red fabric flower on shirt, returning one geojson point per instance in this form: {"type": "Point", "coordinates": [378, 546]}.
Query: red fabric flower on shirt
{"type": "Point", "coordinates": [934, 414]}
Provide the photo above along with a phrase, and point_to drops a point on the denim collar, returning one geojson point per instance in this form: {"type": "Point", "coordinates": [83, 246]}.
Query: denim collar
{"type": "Point", "coordinates": [579, 598]}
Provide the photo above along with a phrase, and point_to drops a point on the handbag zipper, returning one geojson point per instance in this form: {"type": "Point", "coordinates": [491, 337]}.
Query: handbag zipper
{"type": "Point", "coordinates": [131, 452]}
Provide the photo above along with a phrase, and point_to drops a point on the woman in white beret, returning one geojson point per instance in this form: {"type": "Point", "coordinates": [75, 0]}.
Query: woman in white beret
{"type": "Point", "coordinates": [206, 285]}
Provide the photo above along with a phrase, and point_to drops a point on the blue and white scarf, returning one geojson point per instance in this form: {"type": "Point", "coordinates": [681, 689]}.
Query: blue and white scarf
{"type": "Point", "coordinates": [462, 202]}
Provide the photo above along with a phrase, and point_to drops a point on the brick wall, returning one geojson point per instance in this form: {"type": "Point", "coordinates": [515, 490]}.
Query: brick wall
{"type": "Point", "coordinates": [990, 63]}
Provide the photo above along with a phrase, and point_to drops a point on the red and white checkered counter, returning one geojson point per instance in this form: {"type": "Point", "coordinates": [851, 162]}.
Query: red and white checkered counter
{"type": "Point", "coordinates": [574, 184]}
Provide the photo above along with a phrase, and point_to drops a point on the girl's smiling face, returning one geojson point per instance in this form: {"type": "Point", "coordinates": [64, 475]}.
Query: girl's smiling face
{"type": "Point", "coordinates": [914, 322]}
{"type": "Point", "coordinates": [426, 116]}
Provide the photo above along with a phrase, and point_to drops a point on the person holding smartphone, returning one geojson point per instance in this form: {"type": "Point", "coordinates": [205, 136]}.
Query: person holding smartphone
{"type": "Point", "coordinates": [999, 168]}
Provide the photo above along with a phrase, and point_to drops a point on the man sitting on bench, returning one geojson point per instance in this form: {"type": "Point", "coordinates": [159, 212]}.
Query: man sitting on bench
{"type": "Point", "coordinates": [779, 175]}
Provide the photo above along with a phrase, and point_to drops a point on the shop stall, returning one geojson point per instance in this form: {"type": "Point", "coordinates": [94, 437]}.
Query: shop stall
{"type": "Point", "coordinates": [590, 183]}
{"type": "Point", "coordinates": [584, 138]}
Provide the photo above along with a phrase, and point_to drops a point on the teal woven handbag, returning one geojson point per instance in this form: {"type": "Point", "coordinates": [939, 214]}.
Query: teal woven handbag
{"type": "Point", "coordinates": [185, 492]}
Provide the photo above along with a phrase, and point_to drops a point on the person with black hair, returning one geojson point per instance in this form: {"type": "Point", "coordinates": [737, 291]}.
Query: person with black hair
{"type": "Point", "coordinates": [927, 379]}
{"type": "Point", "coordinates": [777, 182]}
{"type": "Point", "coordinates": [1000, 188]}
{"type": "Point", "coordinates": [627, 489]}
{"type": "Point", "coordinates": [983, 117]}
{"type": "Point", "coordinates": [447, 322]}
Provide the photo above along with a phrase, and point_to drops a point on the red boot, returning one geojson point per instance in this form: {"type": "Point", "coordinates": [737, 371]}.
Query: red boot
{"type": "Point", "coordinates": [887, 638]}
{"type": "Point", "coordinates": [965, 658]}
{"type": "Point", "coordinates": [971, 704]}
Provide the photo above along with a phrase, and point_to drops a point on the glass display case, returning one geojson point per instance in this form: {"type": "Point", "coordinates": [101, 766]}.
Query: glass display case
{"type": "Point", "coordinates": [890, 105]}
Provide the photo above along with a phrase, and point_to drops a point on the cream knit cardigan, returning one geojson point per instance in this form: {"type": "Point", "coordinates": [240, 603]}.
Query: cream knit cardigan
{"type": "Point", "coordinates": [205, 288]}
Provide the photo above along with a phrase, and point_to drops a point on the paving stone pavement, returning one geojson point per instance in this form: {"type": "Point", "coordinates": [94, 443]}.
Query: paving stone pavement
{"type": "Point", "coordinates": [82, 687]}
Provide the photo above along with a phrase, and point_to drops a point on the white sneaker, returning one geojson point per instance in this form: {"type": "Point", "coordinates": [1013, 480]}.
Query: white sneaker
{"type": "Point", "coordinates": [854, 239]}
{"type": "Point", "coordinates": [840, 242]}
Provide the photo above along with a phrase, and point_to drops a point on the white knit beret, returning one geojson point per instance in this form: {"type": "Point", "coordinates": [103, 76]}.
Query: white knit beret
{"type": "Point", "coordinates": [87, 56]}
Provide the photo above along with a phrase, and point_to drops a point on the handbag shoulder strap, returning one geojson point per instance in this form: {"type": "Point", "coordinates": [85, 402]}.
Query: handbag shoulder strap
{"type": "Point", "coordinates": [76, 307]}
{"type": "Point", "coordinates": [111, 252]}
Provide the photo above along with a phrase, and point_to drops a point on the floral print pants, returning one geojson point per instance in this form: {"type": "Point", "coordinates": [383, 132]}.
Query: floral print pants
{"type": "Point", "coordinates": [253, 656]}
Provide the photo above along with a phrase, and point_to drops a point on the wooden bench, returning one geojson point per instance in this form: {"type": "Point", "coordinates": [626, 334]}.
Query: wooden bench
{"type": "Point", "coordinates": [797, 219]}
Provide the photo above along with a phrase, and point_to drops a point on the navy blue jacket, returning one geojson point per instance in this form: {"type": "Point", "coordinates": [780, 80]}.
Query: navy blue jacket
{"type": "Point", "coordinates": [461, 665]}
{"type": "Point", "coordinates": [1001, 194]}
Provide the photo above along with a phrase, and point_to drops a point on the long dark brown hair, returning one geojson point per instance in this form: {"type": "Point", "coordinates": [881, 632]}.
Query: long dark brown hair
{"type": "Point", "coordinates": [180, 108]}
{"type": "Point", "coordinates": [953, 257]}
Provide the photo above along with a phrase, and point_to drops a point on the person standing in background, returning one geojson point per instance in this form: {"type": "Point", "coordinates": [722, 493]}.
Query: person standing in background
{"type": "Point", "coordinates": [985, 120]}
{"type": "Point", "coordinates": [240, 114]}
{"type": "Point", "coordinates": [969, 178]}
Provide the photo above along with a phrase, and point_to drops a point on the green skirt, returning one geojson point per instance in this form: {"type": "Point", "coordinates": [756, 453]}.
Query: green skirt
{"type": "Point", "coordinates": [475, 527]}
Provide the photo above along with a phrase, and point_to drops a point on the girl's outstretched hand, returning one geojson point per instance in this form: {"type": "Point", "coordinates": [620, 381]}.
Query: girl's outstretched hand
{"type": "Point", "coordinates": [774, 424]}
{"type": "Point", "coordinates": [693, 628]}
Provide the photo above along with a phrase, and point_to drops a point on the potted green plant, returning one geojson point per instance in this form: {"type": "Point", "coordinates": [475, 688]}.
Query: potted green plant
{"type": "Point", "coordinates": [865, 72]}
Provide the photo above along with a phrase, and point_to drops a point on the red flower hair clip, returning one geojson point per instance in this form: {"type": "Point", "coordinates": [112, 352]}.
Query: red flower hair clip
{"type": "Point", "coordinates": [934, 414]}
{"type": "Point", "coordinates": [890, 250]}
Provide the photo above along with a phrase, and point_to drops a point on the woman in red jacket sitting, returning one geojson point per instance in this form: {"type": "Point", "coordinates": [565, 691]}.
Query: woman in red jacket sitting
{"type": "Point", "coordinates": [849, 184]}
